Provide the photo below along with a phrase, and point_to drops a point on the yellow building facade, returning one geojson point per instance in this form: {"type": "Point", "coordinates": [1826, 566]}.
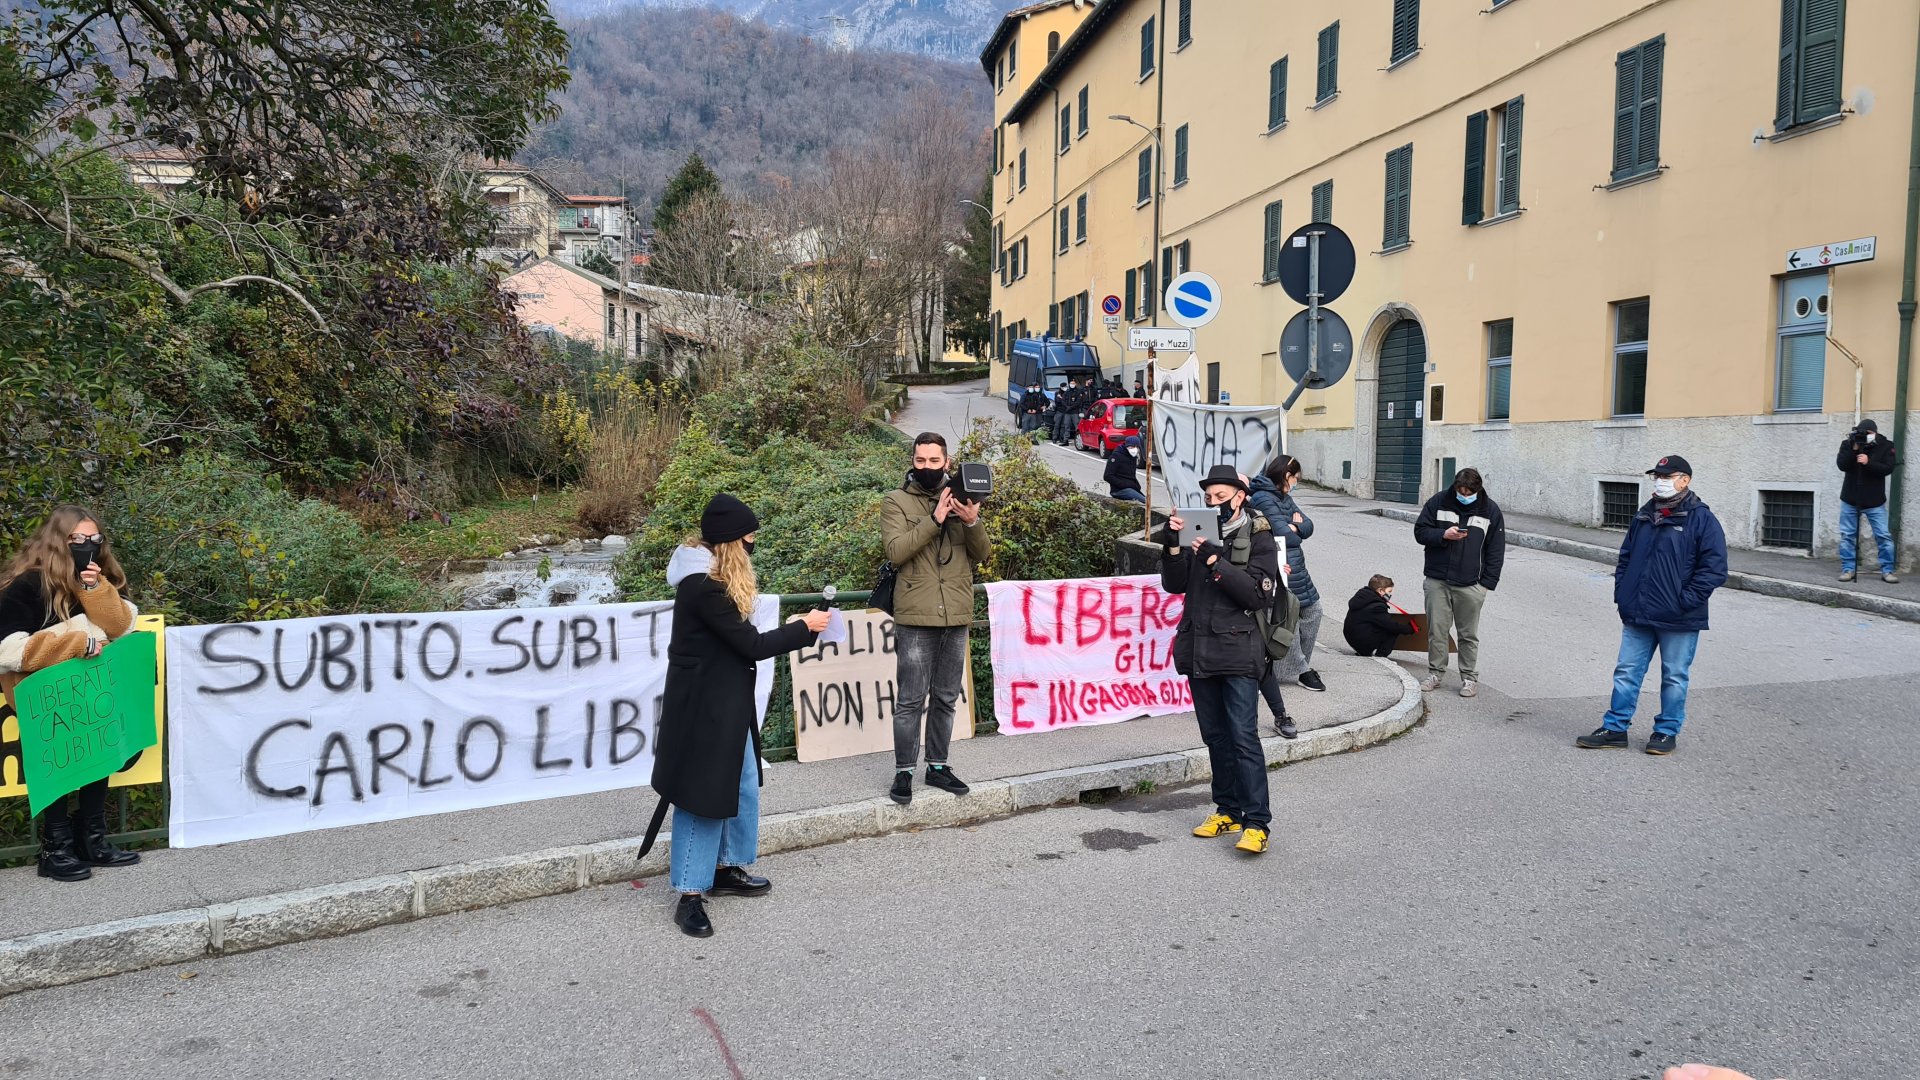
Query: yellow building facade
{"type": "Point", "coordinates": [1573, 225]}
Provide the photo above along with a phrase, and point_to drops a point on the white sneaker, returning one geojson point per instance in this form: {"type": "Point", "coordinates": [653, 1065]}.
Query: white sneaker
{"type": "Point", "coordinates": [1430, 684]}
{"type": "Point", "coordinates": [1469, 688]}
{"type": "Point", "coordinates": [1889, 578]}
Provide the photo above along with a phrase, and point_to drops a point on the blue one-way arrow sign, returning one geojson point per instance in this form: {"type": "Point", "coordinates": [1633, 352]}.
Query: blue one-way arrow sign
{"type": "Point", "coordinates": [1193, 299]}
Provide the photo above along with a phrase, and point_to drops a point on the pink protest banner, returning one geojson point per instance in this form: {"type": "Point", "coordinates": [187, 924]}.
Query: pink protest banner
{"type": "Point", "coordinates": [1088, 651]}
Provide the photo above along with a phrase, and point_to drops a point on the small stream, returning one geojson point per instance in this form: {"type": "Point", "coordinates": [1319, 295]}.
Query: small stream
{"type": "Point", "coordinates": [578, 572]}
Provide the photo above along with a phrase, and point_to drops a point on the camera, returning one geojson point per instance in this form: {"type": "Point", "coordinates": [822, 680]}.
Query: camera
{"type": "Point", "coordinates": [972, 482]}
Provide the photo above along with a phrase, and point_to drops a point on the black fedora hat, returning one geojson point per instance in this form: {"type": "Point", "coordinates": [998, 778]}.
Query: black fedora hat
{"type": "Point", "coordinates": [1223, 474]}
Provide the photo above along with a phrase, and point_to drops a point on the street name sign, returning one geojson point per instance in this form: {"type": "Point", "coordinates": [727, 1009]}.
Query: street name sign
{"type": "Point", "coordinates": [1847, 251]}
{"type": "Point", "coordinates": [1161, 338]}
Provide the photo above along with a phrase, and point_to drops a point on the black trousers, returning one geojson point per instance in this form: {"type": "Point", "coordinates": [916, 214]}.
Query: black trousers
{"type": "Point", "coordinates": [92, 805]}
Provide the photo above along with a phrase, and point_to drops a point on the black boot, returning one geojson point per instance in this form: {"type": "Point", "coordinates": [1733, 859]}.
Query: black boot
{"type": "Point", "coordinates": [95, 849]}
{"type": "Point", "coordinates": [735, 881]}
{"type": "Point", "coordinates": [57, 858]}
{"type": "Point", "coordinates": [691, 914]}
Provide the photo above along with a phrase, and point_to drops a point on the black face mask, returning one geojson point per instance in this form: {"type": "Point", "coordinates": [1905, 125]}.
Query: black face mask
{"type": "Point", "coordinates": [930, 479]}
{"type": "Point", "coordinates": [83, 555]}
{"type": "Point", "coordinates": [1226, 516]}
{"type": "Point", "coordinates": [748, 544]}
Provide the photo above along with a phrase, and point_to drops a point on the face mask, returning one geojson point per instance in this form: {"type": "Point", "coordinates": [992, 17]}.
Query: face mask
{"type": "Point", "coordinates": [83, 555]}
{"type": "Point", "coordinates": [930, 479]}
{"type": "Point", "coordinates": [748, 544]}
{"type": "Point", "coordinates": [1388, 595]}
{"type": "Point", "coordinates": [1226, 515]}
{"type": "Point", "coordinates": [1872, 436]}
{"type": "Point", "coordinates": [1665, 488]}
{"type": "Point", "coordinates": [1467, 500]}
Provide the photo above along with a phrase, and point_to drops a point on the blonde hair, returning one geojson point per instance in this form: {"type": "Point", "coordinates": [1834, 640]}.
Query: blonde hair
{"type": "Point", "coordinates": [46, 554]}
{"type": "Point", "coordinates": [733, 569]}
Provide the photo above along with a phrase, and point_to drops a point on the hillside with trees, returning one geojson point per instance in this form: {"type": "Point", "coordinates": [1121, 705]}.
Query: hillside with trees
{"type": "Point", "coordinates": [762, 106]}
{"type": "Point", "coordinates": [943, 29]}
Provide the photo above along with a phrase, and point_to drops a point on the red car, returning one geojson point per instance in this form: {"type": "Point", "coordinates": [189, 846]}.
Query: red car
{"type": "Point", "coordinates": [1108, 423]}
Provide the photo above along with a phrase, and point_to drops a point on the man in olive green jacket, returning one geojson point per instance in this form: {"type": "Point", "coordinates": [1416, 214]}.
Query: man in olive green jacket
{"type": "Point", "coordinates": [933, 541]}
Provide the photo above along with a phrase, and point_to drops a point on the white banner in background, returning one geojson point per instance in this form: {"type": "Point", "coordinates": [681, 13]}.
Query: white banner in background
{"type": "Point", "coordinates": [1188, 440]}
{"type": "Point", "coordinates": [285, 727]}
{"type": "Point", "coordinates": [1088, 651]}
{"type": "Point", "coordinates": [1179, 383]}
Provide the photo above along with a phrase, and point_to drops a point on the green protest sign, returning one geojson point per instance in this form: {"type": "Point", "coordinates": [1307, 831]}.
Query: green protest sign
{"type": "Point", "coordinates": [81, 720]}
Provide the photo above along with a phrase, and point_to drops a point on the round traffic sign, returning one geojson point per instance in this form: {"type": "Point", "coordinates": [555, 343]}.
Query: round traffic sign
{"type": "Point", "coordinates": [1336, 262]}
{"type": "Point", "coordinates": [1335, 355]}
{"type": "Point", "coordinates": [1193, 299]}
{"type": "Point", "coordinates": [1110, 306]}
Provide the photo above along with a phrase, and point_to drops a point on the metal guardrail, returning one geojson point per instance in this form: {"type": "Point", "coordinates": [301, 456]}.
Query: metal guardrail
{"type": "Point", "coordinates": [120, 807]}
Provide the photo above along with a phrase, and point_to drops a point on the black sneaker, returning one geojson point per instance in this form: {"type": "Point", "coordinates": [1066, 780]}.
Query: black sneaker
{"type": "Point", "coordinates": [1660, 745]}
{"type": "Point", "coordinates": [1603, 738]}
{"type": "Point", "coordinates": [1284, 725]}
{"type": "Point", "coordinates": [1311, 680]}
{"type": "Point", "coordinates": [942, 777]}
{"type": "Point", "coordinates": [902, 792]}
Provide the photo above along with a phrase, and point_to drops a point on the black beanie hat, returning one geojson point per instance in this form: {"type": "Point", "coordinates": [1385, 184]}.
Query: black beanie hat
{"type": "Point", "coordinates": [726, 519]}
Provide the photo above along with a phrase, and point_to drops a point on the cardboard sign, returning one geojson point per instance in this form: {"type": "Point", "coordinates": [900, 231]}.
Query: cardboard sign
{"type": "Point", "coordinates": [145, 769]}
{"type": "Point", "coordinates": [844, 692]}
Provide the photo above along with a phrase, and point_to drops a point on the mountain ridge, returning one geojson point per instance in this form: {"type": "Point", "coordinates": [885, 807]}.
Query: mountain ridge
{"type": "Point", "coordinates": [939, 29]}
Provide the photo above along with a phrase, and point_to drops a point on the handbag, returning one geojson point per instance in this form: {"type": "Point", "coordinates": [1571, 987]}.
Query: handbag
{"type": "Point", "coordinates": [883, 587]}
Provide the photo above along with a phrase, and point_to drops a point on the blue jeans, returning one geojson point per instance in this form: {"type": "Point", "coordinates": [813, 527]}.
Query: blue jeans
{"type": "Point", "coordinates": [1850, 535]}
{"type": "Point", "coordinates": [700, 844]}
{"type": "Point", "coordinates": [1637, 644]}
{"type": "Point", "coordinates": [1132, 495]}
{"type": "Point", "coordinates": [1227, 708]}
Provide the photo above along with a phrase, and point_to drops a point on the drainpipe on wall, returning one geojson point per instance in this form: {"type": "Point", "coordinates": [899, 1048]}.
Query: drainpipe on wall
{"type": "Point", "coordinates": [1053, 209]}
{"type": "Point", "coordinates": [1902, 372]}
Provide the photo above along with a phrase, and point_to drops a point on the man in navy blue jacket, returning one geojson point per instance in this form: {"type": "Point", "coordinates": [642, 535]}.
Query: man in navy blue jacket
{"type": "Point", "coordinates": [1674, 556]}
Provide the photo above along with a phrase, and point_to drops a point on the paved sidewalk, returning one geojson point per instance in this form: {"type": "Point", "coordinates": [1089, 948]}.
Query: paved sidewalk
{"type": "Point", "coordinates": [177, 905]}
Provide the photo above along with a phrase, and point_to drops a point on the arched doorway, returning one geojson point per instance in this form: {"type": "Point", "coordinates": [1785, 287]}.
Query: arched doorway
{"type": "Point", "coordinates": [1397, 413]}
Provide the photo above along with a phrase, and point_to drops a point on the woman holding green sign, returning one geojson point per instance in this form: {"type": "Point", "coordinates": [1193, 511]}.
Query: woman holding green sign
{"type": "Point", "coordinates": [60, 600]}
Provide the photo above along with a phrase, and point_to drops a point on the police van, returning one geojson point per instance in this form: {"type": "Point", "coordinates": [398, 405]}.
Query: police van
{"type": "Point", "coordinates": [1051, 362]}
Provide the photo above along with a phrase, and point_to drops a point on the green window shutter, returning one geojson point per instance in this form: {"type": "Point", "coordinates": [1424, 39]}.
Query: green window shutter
{"type": "Point", "coordinates": [1328, 81]}
{"type": "Point", "coordinates": [1784, 90]}
{"type": "Point", "coordinates": [1270, 264]}
{"type": "Point", "coordinates": [1180, 154]}
{"type": "Point", "coordinates": [1186, 255]}
{"type": "Point", "coordinates": [1647, 135]}
{"type": "Point", "coordinates": [1166, 264]}
{"type": "Point", "coordinates": [1399, 201]}
{"type": "Point", "coordinates": [1146, 48]}
{"type": "Point", "coordinates": [1083, 111]}
{"type": "Point", "coordinates": [1277, 93]}
{"type": "Point", "coordinates": [1817, 86]}
{"type": "Point", "coordinates": [1133, 292]}
{"type": "Point", "coordinates": [1066, 221]}
{"type": "Point", "coordinates": [1080, 217]}
{"type": "Point", "coordinates": [1066, 127]}
{"type": "Point", "coordinates": [1473, 194]}
{"type": "Point", "coordinates": [1186, 21]}
{"type": "Point", "coordinates": [1509, 193]}
{"type": "Point", "coordinates": [1053, 320]}
{"type": "Point", "coordinates": [1152, 295]}
{"type": "Point", "coordinates": [1323, 201]}
{"type": "Point", "coordinates": [1406, 28]}
{"type": "Point", "coordinates": [1145, 185]}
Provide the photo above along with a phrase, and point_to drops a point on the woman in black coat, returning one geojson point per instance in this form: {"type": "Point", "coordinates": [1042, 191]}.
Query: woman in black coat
{"type": "Point", "coordinates": [706, 761]}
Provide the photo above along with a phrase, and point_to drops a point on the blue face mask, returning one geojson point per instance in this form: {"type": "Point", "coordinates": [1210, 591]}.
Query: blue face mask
{"type": "Point", "coordinates": [1466, 500]}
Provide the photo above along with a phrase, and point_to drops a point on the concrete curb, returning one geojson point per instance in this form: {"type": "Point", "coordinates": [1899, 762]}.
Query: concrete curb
{"type": "Point", "coordinates": [1890, 606]}
{"type": "Point", "coordinates": [59, 957]}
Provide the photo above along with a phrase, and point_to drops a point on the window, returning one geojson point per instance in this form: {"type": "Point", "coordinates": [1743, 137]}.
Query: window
{"type": "Point", "coordinates": [1144, 187]}
{"type": "Point", "coordinates": [1144, 277]}
{"type": "Point", "coordinates": [1082, 308]}
{"type": "Point", "coordinates": [1026, 258]}
{"type": "Point", "coordinates": [1786, 519]}
{"type": "Point", "coordinates": [1323, 201]}
{"type": "Point", "coordinates": [1166, 264]}
{"type": "Point", "coordinates": [1327, 83]}
{"type": "Point", "coordinates": [611, 325]}
{"type": "Point", "coordinates": [1066, 127]}
{"type": "Point", "coordinates": [1399, 201]}
{"type": "Point", "coordinates": [1023, 170]}
{"type": "Point", "coordinates": [1406, 29]}
{"type": "Point", "coordinates": [1146, 48]}
{"type": "Point", "coordinates": [1080, 219]}
{"type": "Point", "coordinates": [1053, 320]}
{"type": "Point", "coordinates": [1176, 259]}
{"type": "Point", "coordinates": [1810, 40]}
{"type": "Point", "coordinates": [1084, 118]}
{"type": "Point", "coordinates": [1066, 228]}
{"type": "Point", "coordinates": [1186, 23]}
{"type": "Point", "coordinates": [1270, 245]}
{"type": "Point", "coordinates": [1179, 155]}
{"type": "Point", "coordinates": [1277, 94]}
{"type": "Point", "coordinates": [1619, 501]}
{"type": "Point", "coordinates": [1630, 321]}
{"type": "Point", "coordinates": [1636, 109]}
{"type": "Point", "coordinates": [1013, 55]}
{"type": "Point", "coordinates": [1213, 384]}
{"type": "Point", "coordinates": [1500, 369]}
{"type": "Point", "coordinates": [1799, 384]}
{"type": "Point", "coordinates": [1504, 188]}
{"type": "Point", "coordinates": [1185, 251]}
{"type": "Point", "coordinates": [1053, 45]}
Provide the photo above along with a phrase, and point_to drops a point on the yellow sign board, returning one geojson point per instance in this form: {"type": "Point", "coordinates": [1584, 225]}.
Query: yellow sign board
{"type": "Point", "coordinates": [146, 769]}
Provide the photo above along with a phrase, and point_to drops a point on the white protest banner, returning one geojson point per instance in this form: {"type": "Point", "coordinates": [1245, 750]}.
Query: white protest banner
{"type": "Point", "coordinates": [1188, 440]}
{"type": "Point", "coordinates": [284, 727]}
{"type": "Point", "coordinates": [1090, 651]}
{"type": "Point", "coordinates": [844, 693]}
{"type": "Point", "coordinates": [1178, 384]}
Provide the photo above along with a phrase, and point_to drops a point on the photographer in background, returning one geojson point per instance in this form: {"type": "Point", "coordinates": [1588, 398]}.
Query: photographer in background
{"type": "Point", "coordinates": [1867, 460]}
{"type": "Point", "coordinates": [933, 540]}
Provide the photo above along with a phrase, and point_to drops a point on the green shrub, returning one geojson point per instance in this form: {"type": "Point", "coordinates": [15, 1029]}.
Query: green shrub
{"type": "Point", "coordinates": [208, 539]}
{"type": "Point", "coordinates": [805, 391]}
{"type": "Point", "coordinates": [1040, 524]}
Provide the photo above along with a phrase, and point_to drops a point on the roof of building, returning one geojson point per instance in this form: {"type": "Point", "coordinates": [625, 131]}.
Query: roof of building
{"type": "Point", "coordinates": [1076, 43]}
{"type": "Point", "coordinates": [601, 280]}
{"type": "Point", "coordinates": [162, 154]}
{"type": "Point", "coordinates": [685, 314]}
{"type": "Point", "coordinates": [601, 200]}
{"type": "Point", "coordinates": [1013, 18]}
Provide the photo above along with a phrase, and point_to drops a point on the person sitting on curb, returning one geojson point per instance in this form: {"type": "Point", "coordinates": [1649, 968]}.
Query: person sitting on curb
{"type": "Point", "coordinates": [1123, 471]}
{"type": "Point", "coordinates": [1674, 556]}
{"type": "Point", "coordinates": [1372, 627]}
{"type": "Point", "coordinates": [1218, 647]}
{"type": "Point", "coordinates": [1466, 540]}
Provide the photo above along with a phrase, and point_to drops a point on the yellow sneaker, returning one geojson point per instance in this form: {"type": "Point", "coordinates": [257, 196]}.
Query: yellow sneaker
{"type": "Point", "coordinates": [1252, 841]}
{"type": "Point", "coordinates": [1217, 825]}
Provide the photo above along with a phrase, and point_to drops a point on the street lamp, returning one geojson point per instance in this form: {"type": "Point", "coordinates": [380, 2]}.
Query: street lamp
{"type": "Point", "coordinates": [1153, 259]}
